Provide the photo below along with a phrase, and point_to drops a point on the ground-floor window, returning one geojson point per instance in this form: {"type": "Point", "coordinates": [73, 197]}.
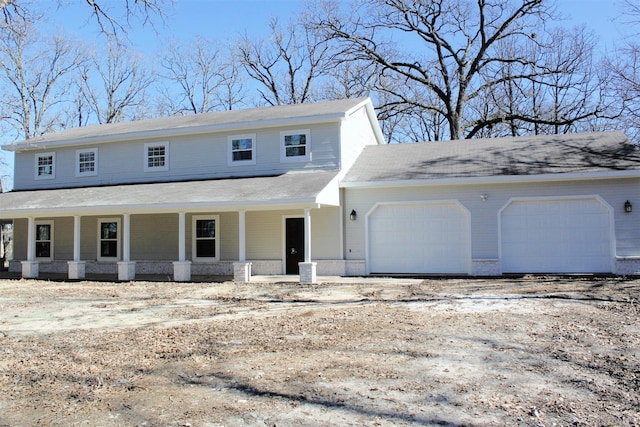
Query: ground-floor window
{"type": "Point", "coordinates": [108, 239]}
{"type": "Point", "coordinates": [206, 244]}
{"type": "Point", "coordinates": [44, 240]}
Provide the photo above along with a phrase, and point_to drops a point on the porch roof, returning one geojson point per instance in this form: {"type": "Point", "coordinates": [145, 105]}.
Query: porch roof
{"type": "Point", "coordinates": [289, 190]}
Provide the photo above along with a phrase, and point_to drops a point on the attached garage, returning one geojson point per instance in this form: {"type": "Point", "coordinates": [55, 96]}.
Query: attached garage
{"type": "Point", "coordinates": [425, 237]}
{"type": "Point", "coordinates": [556, 236]}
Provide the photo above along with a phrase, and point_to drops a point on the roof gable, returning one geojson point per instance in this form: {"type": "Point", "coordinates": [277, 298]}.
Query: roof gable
{"type": "Point", "coordinates": [520, 156]}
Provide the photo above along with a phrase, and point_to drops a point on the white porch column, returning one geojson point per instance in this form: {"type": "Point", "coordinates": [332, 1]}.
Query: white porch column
{"type": "Point", "coordinates": [242, 268]}
{"type": "Point", "coordinates": [126, 268]}
{"type": "Point", "coordinates": [182, 267]}
{"type": "Point", "coordinates": [30, 268]}
{"type": "Point", "coordinates": [76, 267]}
{"type": "Point", "coordinates": [126, 238]}
{"type": "Point", "coordinates": [307, 268]}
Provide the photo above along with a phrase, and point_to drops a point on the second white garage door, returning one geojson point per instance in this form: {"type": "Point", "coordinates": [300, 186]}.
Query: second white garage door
{"type": "Point", "coordinates": [419, 238]}
{"type": "Point", "coordinates": [556, 236]}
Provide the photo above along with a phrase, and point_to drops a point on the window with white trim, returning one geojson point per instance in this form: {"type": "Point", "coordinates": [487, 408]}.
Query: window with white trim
{"type": "Point", "coordinates": [87, 162]}
{"type": "Point", "coordinates": [108, 239]}
{"type": "Point", "coordinates": [44, 240]}
{"type": "Point", "coordinates": [45, 166]}
{"type": "Point", "coordinates": [295, 145]}
{"type": "Point", "coordinates": [156, 156]}
{"type": "Point", "coordinates": [206, 241]}
{"type": "Point", "coordinates": [242, 149]}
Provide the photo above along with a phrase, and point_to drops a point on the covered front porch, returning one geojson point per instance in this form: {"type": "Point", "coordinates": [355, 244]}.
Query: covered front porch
{"type": "Point", "coordinates": [286, 224]}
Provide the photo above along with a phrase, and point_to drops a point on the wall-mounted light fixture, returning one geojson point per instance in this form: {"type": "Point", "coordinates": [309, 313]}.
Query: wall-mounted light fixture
{"type": "Point", "coordinates": [353, 215]}
{"type": "Point", "coordinates": [628, 207]}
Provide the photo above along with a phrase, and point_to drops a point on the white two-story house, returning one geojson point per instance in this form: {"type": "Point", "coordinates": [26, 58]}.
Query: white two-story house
{"type": "Point", "coordinates": [312, 189]}
{"type": "Point", "coordinates": [227, 193]}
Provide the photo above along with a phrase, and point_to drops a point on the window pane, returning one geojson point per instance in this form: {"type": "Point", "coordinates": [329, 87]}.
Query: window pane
{"type": "Point", "coordinates": [43, 249]}
{"type": "Point", "coordinates": [295, 140]}
{"type": "Point", "coordinates": [43, 232]}
{"type": "Point", "coordinates": [206, 228]}
{"type": "Point", "coordinates": [206, 248]}
{"type": "Point", "coordinates": [109, 230]}
{"type": "Point", "coordinates": [242, 144]}
{"type": "Point", "coordinates": [45, 165]}
{"type": "Point", "coordinates": [156, 156]}
{"type": "Point", "coordinates": [296, 151]}
{"type": "Point", "coordinates": [242, 155]}
{"type": "Point", "coordinates": [86, 162]}
{"type": "Point", "coordinates": [109, 248]}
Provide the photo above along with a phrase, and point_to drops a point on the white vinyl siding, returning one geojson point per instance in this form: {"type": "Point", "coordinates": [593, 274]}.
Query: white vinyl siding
{"type": "Point", "coordinates": [194, 157]}
{"type": "Point", "coordinates": [484, 213]}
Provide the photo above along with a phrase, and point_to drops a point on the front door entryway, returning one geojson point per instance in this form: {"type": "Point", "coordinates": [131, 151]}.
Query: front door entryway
{"type": "Point", "coordinates": [294, 244]}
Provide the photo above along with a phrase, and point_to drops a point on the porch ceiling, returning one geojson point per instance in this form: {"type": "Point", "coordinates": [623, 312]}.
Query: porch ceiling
{"type": "Point", "coordinates": [292, 189]}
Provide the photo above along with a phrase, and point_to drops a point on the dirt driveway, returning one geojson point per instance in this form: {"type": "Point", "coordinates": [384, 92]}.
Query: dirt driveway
{"type": "Point", "coordinates": [533, 351]}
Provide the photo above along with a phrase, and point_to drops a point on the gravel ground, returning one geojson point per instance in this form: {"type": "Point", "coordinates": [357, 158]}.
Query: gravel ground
{"type": "Point", "coordinates": [531, 351]}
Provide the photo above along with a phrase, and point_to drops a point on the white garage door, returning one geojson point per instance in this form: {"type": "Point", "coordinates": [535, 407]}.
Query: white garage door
{"type": "Point", "coordinates": [419, 238]}
{"type": "Point", "coordinates": [556, 236]}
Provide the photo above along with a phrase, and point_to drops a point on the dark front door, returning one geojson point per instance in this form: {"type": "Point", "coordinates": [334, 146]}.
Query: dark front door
{"type": "Point", "coordinates": [294, 241]}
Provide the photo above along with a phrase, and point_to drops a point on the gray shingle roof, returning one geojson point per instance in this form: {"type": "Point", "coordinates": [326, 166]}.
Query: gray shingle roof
{"type": "Point", "coordinates": [288, 188]}
{"type": "Point", "coordinates": [531, 155]}
{"type": "Point", "coordinates": [216, 121]}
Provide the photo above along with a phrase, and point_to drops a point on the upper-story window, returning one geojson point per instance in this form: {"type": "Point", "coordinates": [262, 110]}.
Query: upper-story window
{"type": "Point", "coordinates": [156, 156]}
{"type": "Point", "coordinates": [295, 146]}
{"type": "Point", "coordinates": [87, 162]}
{"type": "Point", "coordinates": [242, 149]}
{"type": "Point", "coordinates": [45, 166]}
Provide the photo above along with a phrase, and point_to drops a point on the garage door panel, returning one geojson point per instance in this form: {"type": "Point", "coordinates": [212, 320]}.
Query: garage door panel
{"type": "Point", "coordinates": [418, 238]}
{"type": "Point", "coordinates": [556, 236]}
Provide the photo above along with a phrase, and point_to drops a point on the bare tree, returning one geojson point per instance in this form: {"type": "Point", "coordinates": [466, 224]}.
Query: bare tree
{"type": "Point", "coordinates": [288, 65]}
{"type": "Point", "coordinates": [201, 77]}
{"type": "Point", "coordinates": [561, 95]}
{"type": "Point", "coordinates": [113, 21]}
{"type": "Point", "coordinates": [622, 69]}
{"type": "Point", "coordinates": [458, 58]}
{"type": "Point", "coordinates": [34, 77]}
{"type": "Point", "coordinates": [112, 86]}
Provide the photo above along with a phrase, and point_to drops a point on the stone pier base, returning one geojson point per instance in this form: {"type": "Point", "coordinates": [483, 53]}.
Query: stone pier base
{"type": "Point", "coordinates": [241, 271]}
{"type": "Point", "coordinates": [182, 271]}
{"type": "Point", "coordinates": [76, 269]}
{"type": "Point", "coordinates": [308, 272]}
{"type": "Point", "coordinates": [126, 270]}
{"type": "Point", "coordinates": [30, 269]}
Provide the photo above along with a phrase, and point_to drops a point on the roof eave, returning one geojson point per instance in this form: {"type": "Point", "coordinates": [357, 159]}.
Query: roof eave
{"type": "Point", "coordinates": [173, 132]}
{"type": "Point", "coordinates": [501, 179]}
{"type": "Point", "coordinates": [162, 208]}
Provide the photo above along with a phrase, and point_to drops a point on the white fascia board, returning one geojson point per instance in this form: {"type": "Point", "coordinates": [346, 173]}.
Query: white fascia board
{"type": "Point", "coordinates": [502, 179]}
{"type": "Point", "coordinates": [162, 208]}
